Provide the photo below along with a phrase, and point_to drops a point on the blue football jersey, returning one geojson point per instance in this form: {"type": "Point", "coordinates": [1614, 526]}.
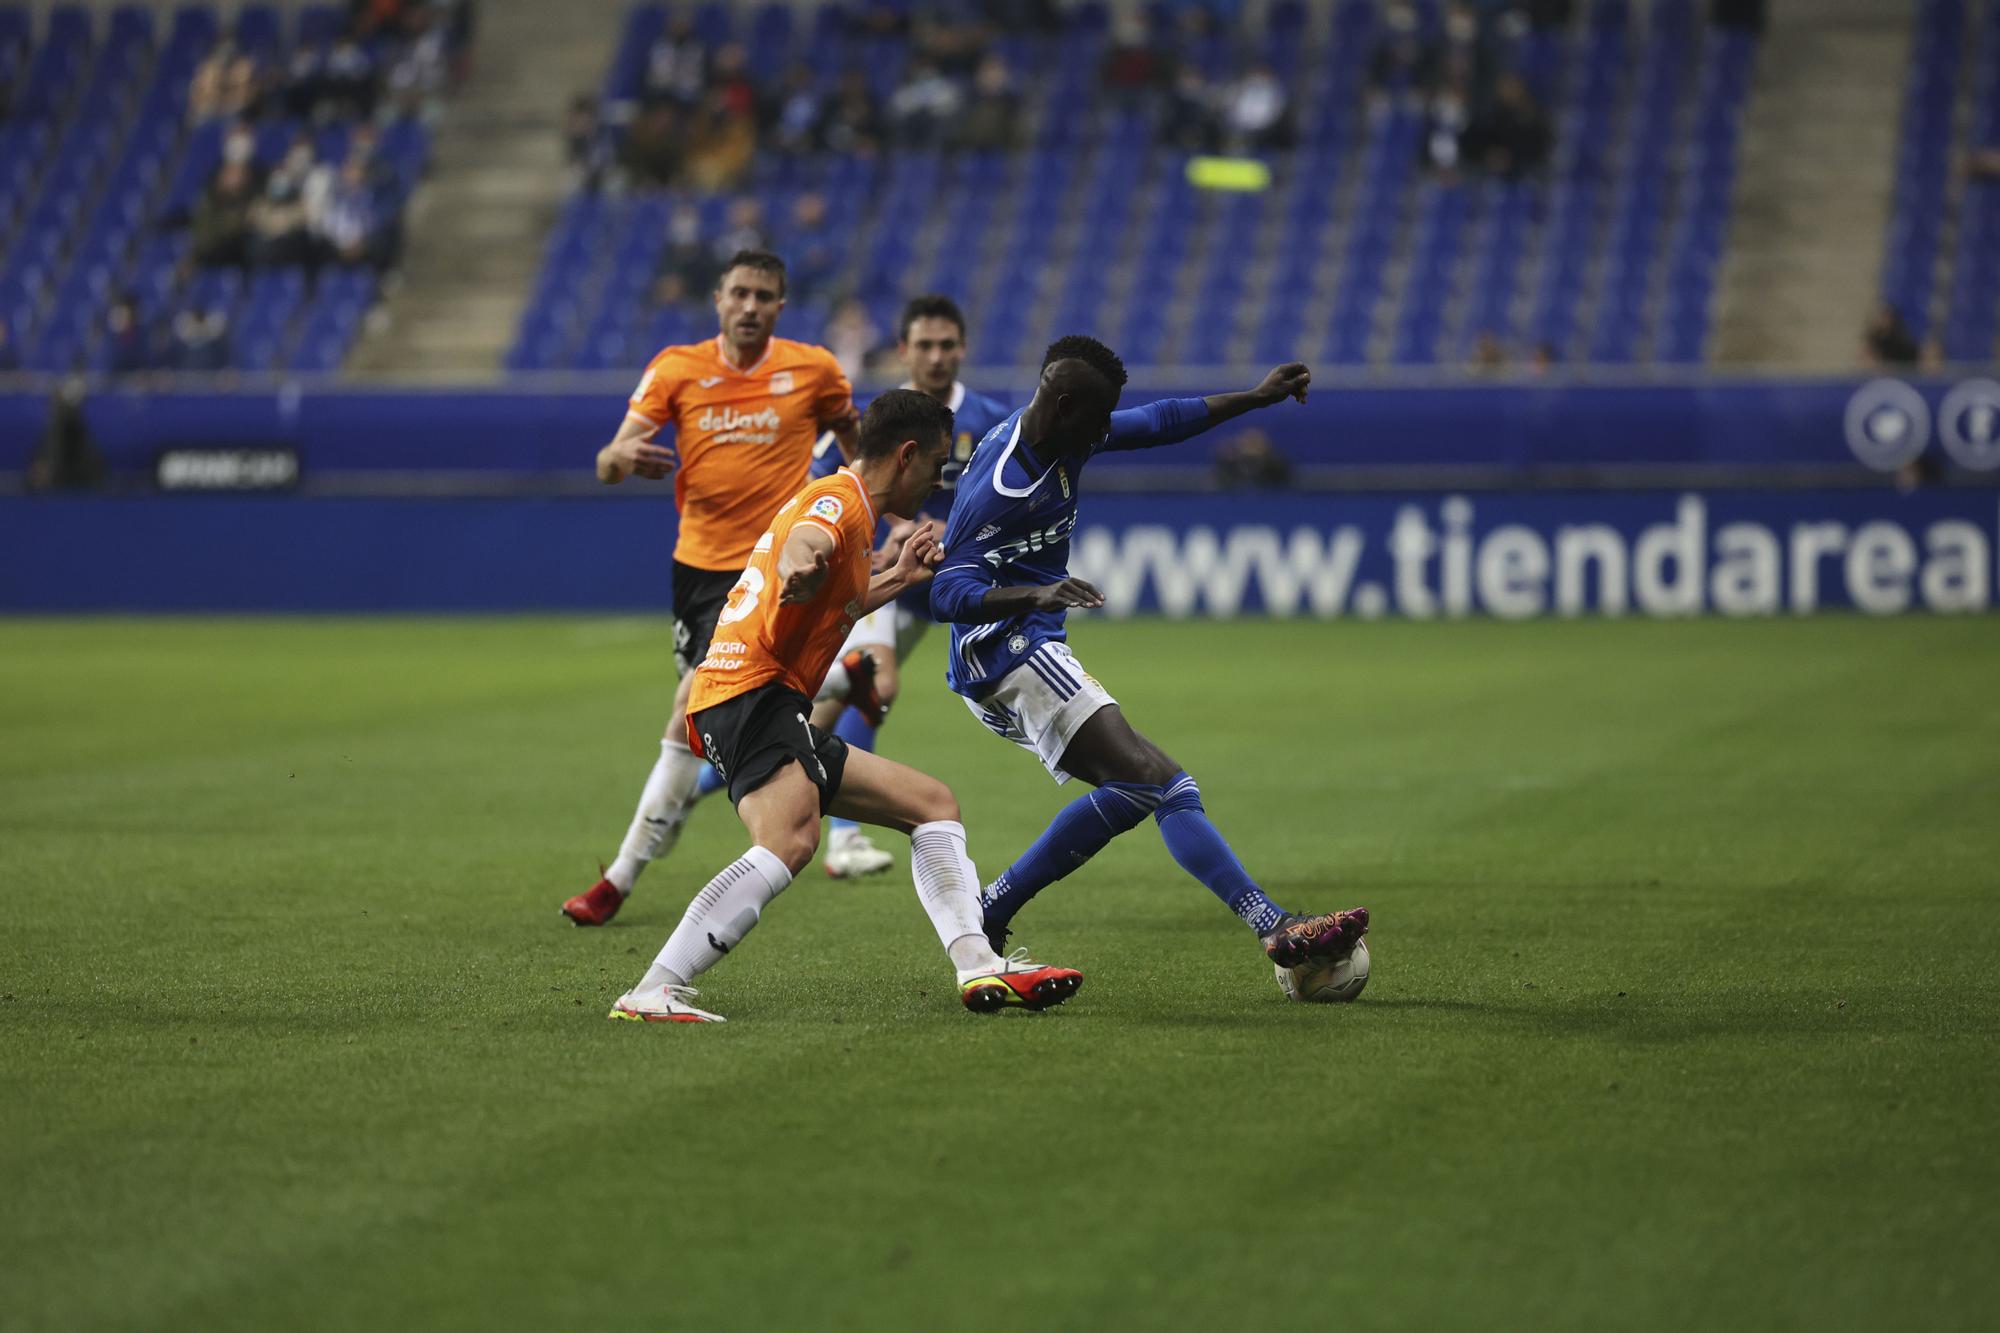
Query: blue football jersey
{"type": "Point", "coordinates": [1010, 526]}
{"type": "Point", "coordinates": [974, 414]}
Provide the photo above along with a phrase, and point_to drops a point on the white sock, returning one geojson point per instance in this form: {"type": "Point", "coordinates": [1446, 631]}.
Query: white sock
{"type": "Point", "coordinates": [663, 808]}
{"type": "Point", "coordinates": [719, 917]}
{"type": "Point", "coordinates": [949, 888]}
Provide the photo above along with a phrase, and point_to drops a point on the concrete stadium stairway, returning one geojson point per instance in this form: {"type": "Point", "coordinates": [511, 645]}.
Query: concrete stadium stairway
{"type": "Point", "coordinates": [476, 228]}
{"type": "Point", "coordinates": [1813, 189]}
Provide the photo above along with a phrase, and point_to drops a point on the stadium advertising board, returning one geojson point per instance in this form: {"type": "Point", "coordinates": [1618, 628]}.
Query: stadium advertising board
{"type": "Point", "coordinates": [1520, 555]}
{"type": "Point", "coordinates": [1414, 554]}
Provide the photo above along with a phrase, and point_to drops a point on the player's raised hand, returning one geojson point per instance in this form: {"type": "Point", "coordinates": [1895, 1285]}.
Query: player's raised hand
{"type": "Point", "coordinates": [1070, 594]}
{"type": "Point", "coordinates": [801, 583]}
{"type": "Point", "coordinates": [1290, 380]}
{"type": "Point", "coordinates": [920, 553]}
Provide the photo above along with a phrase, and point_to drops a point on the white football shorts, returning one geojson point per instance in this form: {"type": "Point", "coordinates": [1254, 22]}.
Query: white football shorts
{"type": "Point", "coordinates": [1042, 703]}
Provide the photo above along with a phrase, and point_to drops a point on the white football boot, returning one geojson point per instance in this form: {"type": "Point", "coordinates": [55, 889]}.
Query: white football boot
{"type": "Point", "coordinates": [850, 855]}
{"type": "Point", "coordinates": [662, 1004]}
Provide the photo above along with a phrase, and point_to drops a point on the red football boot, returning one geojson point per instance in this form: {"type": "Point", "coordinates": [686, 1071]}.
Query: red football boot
{"type": "Point", "coordinates": [862, 696]}
{"type": "Point", "coordinates": [1020, 983]}
{"type": "Point", "coordinates": [595, 905]}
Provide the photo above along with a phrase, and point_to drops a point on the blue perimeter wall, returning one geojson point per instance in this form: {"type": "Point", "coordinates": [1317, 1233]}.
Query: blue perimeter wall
{"type": "Point", "coordinates": [1718, 535]}
{"type": "Point", "coordinates": [1513, 425]}
{"type": "Point", "coordinates": [1736, 552]}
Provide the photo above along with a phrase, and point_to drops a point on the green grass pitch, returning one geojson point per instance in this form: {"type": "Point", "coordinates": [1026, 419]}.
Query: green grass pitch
{"type": "Point", "coordinates": [1683, 1014]}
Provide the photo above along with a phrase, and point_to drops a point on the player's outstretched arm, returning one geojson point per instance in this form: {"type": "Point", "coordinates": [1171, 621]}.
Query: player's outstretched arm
{"type": "Point", "coordinates": [1290, 380]}
{"type": "Point", "coordinates": [803, 563]}
{"type": "Point", "coordinates": [962, 595]}
{"type": "Point", "coordinates": [633, 450]}
{"type": "Point", "coordinates": [1171, 420]}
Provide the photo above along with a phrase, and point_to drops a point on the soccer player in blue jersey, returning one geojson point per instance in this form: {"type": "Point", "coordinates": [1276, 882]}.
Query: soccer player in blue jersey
{"type": "Point", "coordinates": [866, 673]}
{"type": "Point", "coordinates": [1004, 587]}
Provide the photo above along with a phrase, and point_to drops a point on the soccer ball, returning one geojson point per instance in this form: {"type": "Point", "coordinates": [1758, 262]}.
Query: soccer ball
{"type": "Point", "coordinates": [1320, 982]}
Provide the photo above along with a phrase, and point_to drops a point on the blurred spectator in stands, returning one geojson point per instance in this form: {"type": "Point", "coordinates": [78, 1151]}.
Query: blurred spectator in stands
{"type": "Point", "coordinates": [127, 347]}
{"type": "Point", "coordinates": [1191, 123]}
{"type": "Point", "coordinates": [852, 336]}
{"type": "Point", "coordinates": [730, 76]}
{"type": "Point", "coordinates": [1133, 70]}
{"type": "Point", "coordinates": [742, 229]}
{"type": "Point", "coordinates": [278, 232]}
{"type": "Point", "coordinates": [206, 92]}
{"type": "Point", "coordinates": [721, 143]}
{"type": "Point", "coordinates": [68, 459]}
{"type": "Point", "coordinates": [1489, 354]}
{"type": "Point", "coordinates": [352, 226]}
{"type": "Point", "coordinates": [1461, 50]}
{"type": "Point", "coordinates": [1543, 359]}
{"type": "Point", "coordinates": [677, 66]}
{"type": "Point", "coordinates": [883, 19]}
{"type": "Point", "coordinates": [651, 153]}
{"type": "Point", "coordinates": [305, 81]}
{"type": "Point", "coordinates": [923, 107]}
{"type": "Point", "coordinates": [852, 123]}
{"type": "Point", "coordinates": [198, 340]}
{"type": "Point", "coordinates": [992, 117]}
{"type": "Point", "coordinates": [1403, 62]}
{"type": "Point", "coordinates": [1547, 14]}
{"type": "Point", "coordinates": [1511, 138]}
{"type": "Point", "coordinates": [1022, 15]}
{"type": "Point", "coordinates": [10, 355]}
{"type": "Point", "coordinates": [1445, 118]}
{"type": "Point", "coordinates": [686, 257]}
{"type": "Point", "coordinates": [1888, 342]}
{"type": "Point", "coordinates": [791, 116]}
{"type": "Point", "coordinates": [1257, 113]}
{"type": "Point", "coordinates": [812, 252]}
{"type": "Point", "coordinates": [952, 40]}
{"type": "Point", "coordinates": [239, 146]}
{"type": "Point", "coordinates": [221, 221]}
{"type": "Point", "coordinates": [1983, 163]}
{"type": "Point", "coordinates": [418, 73]}
{"type": "Point", "coordinates": [348, 83]}
{"type": "Point", "coordinates": [1748, 15]}
{"type": "Point", "coordinates": [584, 145]}
{"type": "Point", "coordinates": [1931, 359]}
{"type": "Point", "coordinates": [1249, 459]}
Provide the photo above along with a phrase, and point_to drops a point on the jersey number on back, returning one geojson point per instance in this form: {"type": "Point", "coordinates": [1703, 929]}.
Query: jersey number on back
{"type": "Point", "coordinates": [751, 587]}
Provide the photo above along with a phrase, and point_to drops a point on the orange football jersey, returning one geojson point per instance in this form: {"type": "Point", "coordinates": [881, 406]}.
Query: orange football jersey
{"type": "Point", "coordinates": [760, 641]}
{"type": "Point", "coordinates": [745, 437]}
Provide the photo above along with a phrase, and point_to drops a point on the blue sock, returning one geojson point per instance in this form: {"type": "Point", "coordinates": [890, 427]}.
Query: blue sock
{"type": "Point", "coordinates": [854, 729]}
{"type": "Point", "coordinates": [1077, 833]}
{"type": "Point", "coordinates": [709, 781]}
{"type": "Point", "coordinates": [1203, 853]}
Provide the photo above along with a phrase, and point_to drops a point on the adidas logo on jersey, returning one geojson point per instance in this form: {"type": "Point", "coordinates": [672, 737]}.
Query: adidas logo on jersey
{"type": "Point", "coordinates": [988, 531]}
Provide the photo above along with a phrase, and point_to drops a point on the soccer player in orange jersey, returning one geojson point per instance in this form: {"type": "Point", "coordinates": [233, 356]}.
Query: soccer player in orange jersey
{"type": "Point", "coordinates": [745, 408]}
{"type": "Point", "coordinates": [806, 584]}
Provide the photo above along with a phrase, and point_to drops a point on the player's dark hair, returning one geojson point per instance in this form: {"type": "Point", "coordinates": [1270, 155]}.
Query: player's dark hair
{"type": "Point", "coordinates": [930, 306]}
{"type": "Point", "coordinates": [903, 414]}
{"type": "Point", "coordinates": [1078, 347]}
{"type": "Point", "coordinates": [761, 260]}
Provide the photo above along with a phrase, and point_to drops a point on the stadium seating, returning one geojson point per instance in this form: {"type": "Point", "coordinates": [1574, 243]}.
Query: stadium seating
{"type": "Point", "coordinates": [99, 167]}
{"type": "Point", "coordinates": [1941, 267]}
{"type": "Point", "coordinates": [1356, 254]}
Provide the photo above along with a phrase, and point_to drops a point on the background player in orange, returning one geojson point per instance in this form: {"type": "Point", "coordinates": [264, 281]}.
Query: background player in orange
{"type": "Point", "coordinates": [805, 586]}
{"type": "Point", "coordinates": [745, 408]}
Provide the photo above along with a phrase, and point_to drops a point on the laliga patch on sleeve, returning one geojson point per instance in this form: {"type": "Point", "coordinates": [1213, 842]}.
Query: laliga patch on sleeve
{"type": "Point", "coordinates": [826, 509]}
{"type": "Point", "coordinates": [645, 383]}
